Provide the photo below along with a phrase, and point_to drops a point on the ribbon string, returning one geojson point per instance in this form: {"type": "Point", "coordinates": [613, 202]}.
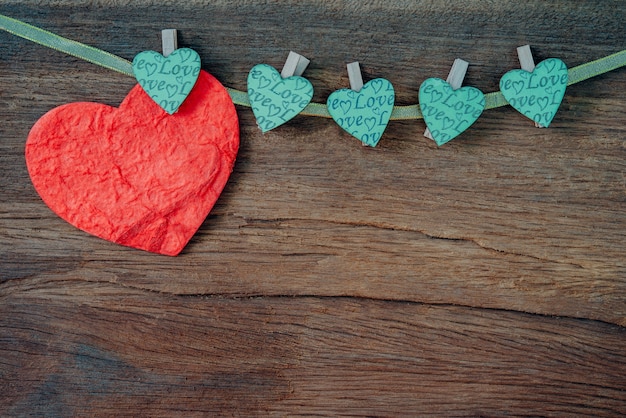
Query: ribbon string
{"type": "Point", "coordinates": [121, 65]}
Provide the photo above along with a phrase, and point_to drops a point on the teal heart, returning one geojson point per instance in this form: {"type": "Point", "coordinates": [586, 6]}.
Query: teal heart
{"type": "Point", "coordinates": [538, 94]}
{"type": "Point", "coordinates": [448, 112]}
{"type": "Point", "coordinates": [363, 114]}
{"type": "Point", "coordinates": [276, 100]}
{"type": "Point", "coordinates": [168, 81]}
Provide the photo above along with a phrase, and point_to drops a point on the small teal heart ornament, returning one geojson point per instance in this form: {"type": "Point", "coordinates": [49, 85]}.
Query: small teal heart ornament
{"type": "Point", "coordinates": [276, 100]}
{"type": "Point", "coordinates": [538, 94]}
{"type": "Point", "coordinates": [448, 112]}
{"type": "Point", "coordinates": [168, 81]}
{"type": "Point", "coordinates": [363, 114]}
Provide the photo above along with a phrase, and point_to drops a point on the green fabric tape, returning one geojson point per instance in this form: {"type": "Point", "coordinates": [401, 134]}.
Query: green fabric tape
{"type": "Point", "coordinates": [115, 63]}
{"type": "Point", "coordinates": [76, 49]}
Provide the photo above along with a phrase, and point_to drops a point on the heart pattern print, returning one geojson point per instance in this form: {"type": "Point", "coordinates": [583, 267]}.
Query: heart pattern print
{"type": "Point", "coordinates": [276, 100]}
{"type": "Point", "coordinates": [537, 94]}
{"type": "Point", "coordinates": [363, 114]}
{"type": "Point", "coordinates": [449, 112]}
{"type": "Point", "coordinates": [168, 81]}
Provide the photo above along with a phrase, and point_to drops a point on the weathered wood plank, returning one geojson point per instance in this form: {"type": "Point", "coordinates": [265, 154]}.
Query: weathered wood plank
{"type": "Point", "coordinates": [482, 277]}
{"type": "Point", "coordinates": [529, 215]}
{"type": "Point", "coordinates": [100, 349]}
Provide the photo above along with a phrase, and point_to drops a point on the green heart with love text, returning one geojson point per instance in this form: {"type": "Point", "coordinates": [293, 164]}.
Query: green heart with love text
{"type": "Point", "coordinates": [276, 100]}
{"type": "Point", "coordinates": [167, 80]}
{"type": "Point", "coordinates": [363, 114]}
{"type": "Point", "coordinates": [448, 112]}
{"type": "Point", "coordinates": [537, 94]}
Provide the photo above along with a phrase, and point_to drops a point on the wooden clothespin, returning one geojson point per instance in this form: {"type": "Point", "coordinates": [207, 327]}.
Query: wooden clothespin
{"type": "Point", "coordinates": [169, 41]}
{"type": "Point", "coordinates": [356, 80]}
{"type": "Point", "coordinates": [354, 74]}
{"type": "Point", "coordinates": [455, 79]}
{"type": "Point", "coordinates": [527, 63]}
{"type": "Point", "coordinates": [295, 65]}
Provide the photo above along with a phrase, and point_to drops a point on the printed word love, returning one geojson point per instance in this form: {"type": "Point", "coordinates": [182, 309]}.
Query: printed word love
{"type": "Point", "coordinates": [363, 114]}
{"type": "Point", "coordinates": [449, 112]}
{"type": "Point", "coordinates": [276, 100]}
{"type": "Point", "coordinates": [536, 94]}
{"type": "Point", "coordinates": [168, 81]}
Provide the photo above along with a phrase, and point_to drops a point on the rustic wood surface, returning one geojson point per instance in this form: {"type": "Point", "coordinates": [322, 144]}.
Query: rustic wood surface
{"type": "Point", "coordinates": [484, 277]}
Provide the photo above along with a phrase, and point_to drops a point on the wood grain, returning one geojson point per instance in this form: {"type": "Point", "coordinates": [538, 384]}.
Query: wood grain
{"type": "Point", "coordinates": [85, 350]}
{"type": "Point", "coordinates": [484, 277]}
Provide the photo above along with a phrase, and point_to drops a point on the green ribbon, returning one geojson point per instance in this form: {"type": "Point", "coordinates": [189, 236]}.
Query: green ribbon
{"type": "Point", "coordinates": [115, 63]}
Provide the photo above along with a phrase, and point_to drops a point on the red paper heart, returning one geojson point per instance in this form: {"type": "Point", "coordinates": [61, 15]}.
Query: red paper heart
{"type": "Point", "coordinates": [135, 175]}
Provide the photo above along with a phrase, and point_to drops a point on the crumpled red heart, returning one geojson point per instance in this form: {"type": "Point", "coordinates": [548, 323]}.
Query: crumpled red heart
{"type": "Point", "coordinates": [135, 175]}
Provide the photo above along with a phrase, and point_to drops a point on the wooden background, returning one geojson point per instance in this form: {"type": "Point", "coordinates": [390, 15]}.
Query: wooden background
{"type": "Point", "coordinates": [486, 277]}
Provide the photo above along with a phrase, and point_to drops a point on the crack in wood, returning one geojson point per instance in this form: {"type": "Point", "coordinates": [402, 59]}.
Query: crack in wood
{"type": "Point", "coordinates": [389, 227]}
